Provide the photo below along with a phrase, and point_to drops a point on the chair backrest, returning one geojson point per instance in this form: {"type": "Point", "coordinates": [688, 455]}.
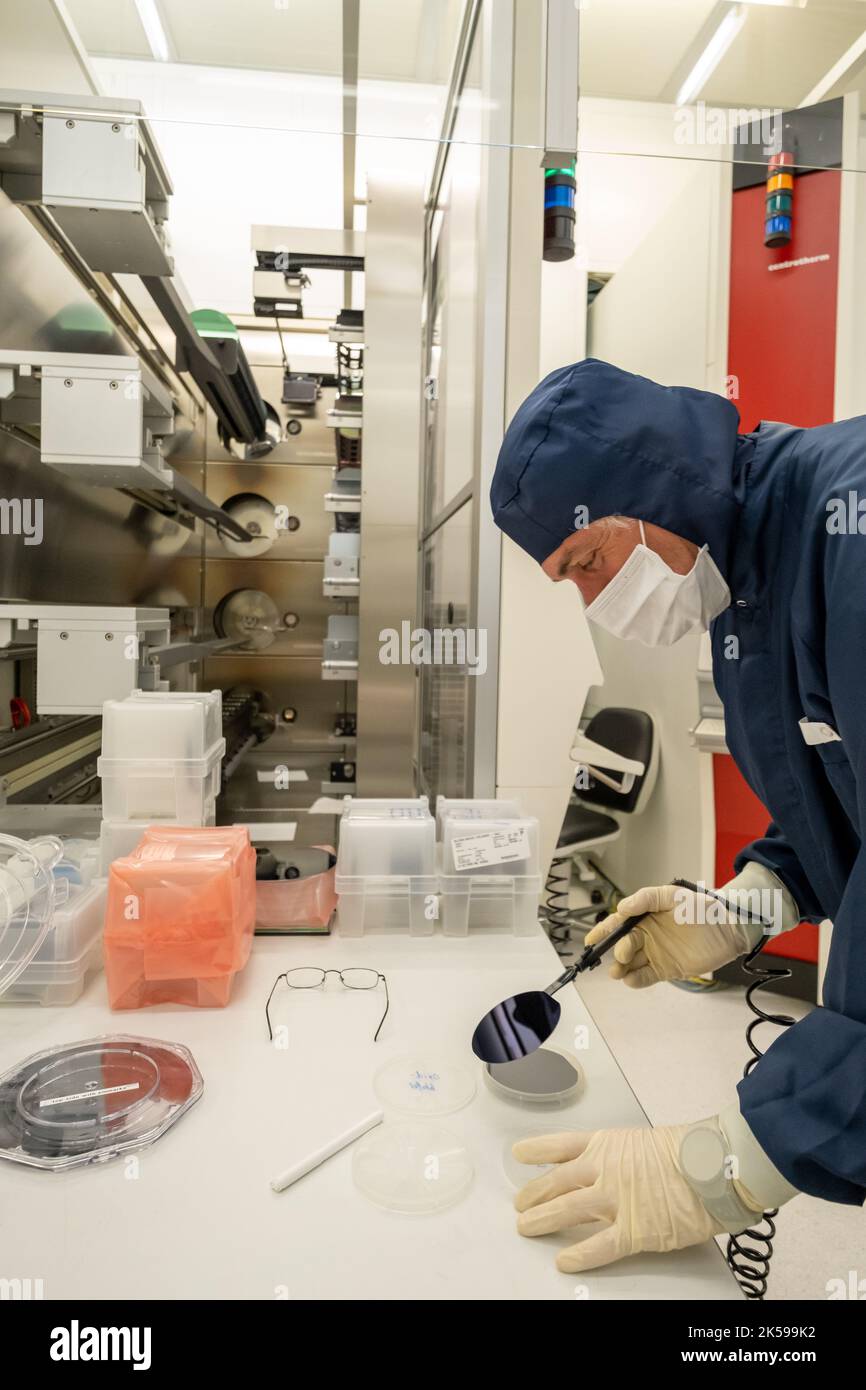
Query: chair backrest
{"type": "Point", "coordinates": [629, 732]}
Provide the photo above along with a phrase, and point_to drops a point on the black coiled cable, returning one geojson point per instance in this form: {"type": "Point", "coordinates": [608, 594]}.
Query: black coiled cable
{"type": "Point", "coordinates": [556, 911]}
{"type": "Point", "coordinates": [560, 918]}
{"type": "Point", "coordinates": [750, 1262]}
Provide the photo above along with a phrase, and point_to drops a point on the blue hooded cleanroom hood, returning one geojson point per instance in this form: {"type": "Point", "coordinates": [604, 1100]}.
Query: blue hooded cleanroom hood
{"type": "Point", "coordinates": [595, 436]}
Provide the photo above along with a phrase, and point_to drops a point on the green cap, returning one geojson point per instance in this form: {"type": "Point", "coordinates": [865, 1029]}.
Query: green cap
{"type": "Point", "coordinates": [211, 323]}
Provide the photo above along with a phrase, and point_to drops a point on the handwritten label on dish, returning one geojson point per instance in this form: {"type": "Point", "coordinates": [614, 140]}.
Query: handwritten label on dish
{"type": "Point", "coordinates": [424, 1081]}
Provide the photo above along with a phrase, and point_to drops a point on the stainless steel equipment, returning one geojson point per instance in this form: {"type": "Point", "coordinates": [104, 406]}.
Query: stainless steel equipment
{"type": "Point", "coordinates": [89, 395]}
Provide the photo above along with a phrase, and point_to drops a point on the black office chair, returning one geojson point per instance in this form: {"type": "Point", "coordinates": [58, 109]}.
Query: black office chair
{"type": "Point", "coordinates": [631, 734]}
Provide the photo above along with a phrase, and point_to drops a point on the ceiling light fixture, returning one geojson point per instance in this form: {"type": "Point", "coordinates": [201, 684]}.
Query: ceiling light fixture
{"type": "Point", "coordinates": [712, 55]}
{"type": "Point", "coordinates": [837, 72]}
{"type": "Point", "coordinates": [152, 25]}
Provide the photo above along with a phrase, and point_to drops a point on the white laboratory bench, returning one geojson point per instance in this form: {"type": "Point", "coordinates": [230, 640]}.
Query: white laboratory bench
{"type": "Point", "coordinates": [195, 1218]}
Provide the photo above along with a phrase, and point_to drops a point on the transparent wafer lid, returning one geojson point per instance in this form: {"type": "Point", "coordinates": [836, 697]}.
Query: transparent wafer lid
{"type": "Point", "coordinates": [90, 1101]}
{"type": "Point", "coordinates": [412, 1167]}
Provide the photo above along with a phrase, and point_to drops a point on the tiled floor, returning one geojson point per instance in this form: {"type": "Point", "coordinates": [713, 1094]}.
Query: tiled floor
{"type": "Point", "coordinates": [683, 1054]}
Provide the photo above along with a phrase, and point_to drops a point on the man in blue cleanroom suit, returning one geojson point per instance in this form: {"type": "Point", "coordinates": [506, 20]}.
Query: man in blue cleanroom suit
{"type": "Point", "coordinates": [683, 523]}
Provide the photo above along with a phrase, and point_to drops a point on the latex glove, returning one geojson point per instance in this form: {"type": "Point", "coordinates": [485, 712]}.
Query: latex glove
{"type": "Point", "coordinates": [627, 1178]}
{"type": "Point", "coordinates": [759, 1182]}
{"type": "Point", "coordinates": [690, 933]}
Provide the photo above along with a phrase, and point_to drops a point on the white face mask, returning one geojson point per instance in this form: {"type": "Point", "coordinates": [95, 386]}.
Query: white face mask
{"type": "Point", "coordinates": [649, 602]}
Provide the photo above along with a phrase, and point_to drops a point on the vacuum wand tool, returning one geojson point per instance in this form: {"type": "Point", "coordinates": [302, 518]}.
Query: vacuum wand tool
{"type": "Point", "coordinates": [592, 956]}
{"type": "Point", "coordinates": [519, 1025]}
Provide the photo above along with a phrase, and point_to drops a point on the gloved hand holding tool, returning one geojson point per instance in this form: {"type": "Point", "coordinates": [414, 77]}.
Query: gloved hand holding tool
{"type": "Point", "coordinates": [687, 933]}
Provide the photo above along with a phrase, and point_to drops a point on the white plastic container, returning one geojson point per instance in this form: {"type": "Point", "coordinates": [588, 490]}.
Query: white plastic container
{"type": "Point", "coordinates": [389, 902]}
{"type": "Point", "coordinates": [386, 867]}
{"type": "Point", "coordinates": [489, 876]}
{"type": "Point", "coordinates": [161, 756]}
{"type": "Point", "coordinates": [179, 791]}
{"type": "Point", "coordinates": [162, 724]}
{"type": "Point", "coordinates": [379, 805]}
{"type": "Point", "coordinates": [467, 808]}
{"type": "Point", "coordinates": [117, 839]}
{"type": "Point", "coordinates": [387, 839]}
{"type": "Point", "coordinates": [70, 953]}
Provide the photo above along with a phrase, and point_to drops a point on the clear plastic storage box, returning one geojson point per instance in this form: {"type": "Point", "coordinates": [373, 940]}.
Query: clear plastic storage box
{"type": "Point", "coordinates": [117, 839]}
{"type": "Point", "coordinates": [489, 875]}
{"type": "Point", "coordinates": [50, 922]}
{"type": "Point", "coordinates": [474, 809]}
{"type": "Point", "coordinates": [162, 724]}
{"type": "Point", "coordinates": [161, 756]}
{"type": "Point", "coordinates": [374, 805]}
{"type": "Point", "coordinates": [182, 791]}
{"type": "Point", "coordinates": [69, 954]}
{"type": "Point", "coordinates": [80, 862]}
{"type": "Point", "coordinates": [29, 894]}
{"type": "Point", "coordinates": [386, 867]}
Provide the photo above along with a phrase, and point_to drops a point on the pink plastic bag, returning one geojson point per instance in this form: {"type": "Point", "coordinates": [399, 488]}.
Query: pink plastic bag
{"type": "Point", "coordinates": [179, 917]}
{"type": "Point", "coordinates": [294, 903]}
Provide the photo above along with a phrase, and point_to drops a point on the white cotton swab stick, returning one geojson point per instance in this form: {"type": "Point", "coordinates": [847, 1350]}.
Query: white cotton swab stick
{"type": "Point", "coordinates": [299, 1170]}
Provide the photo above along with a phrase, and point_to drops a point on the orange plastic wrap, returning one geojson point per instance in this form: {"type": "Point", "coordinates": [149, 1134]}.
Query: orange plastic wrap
{"type": "Point", "coordinates": [180, 917]}
{"type": "Point", "coordinates": [293, 904]}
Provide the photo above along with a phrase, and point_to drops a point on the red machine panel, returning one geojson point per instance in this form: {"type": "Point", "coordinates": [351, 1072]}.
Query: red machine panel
{"type": "Point", "coordinates": [782, 362]}
{"type": "Point", "coordinates": [782, 329]}
{"type": "Point", "coordinates": [741, 818]}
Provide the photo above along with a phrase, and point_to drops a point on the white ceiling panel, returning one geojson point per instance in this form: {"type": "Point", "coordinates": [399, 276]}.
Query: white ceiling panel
{"type": "Point", "coordinates": [282, 35]}
{"type": "Point", "coordinates": [410, 41]}
{"type": "Point", "coordinates": [109, 26]}
{"type": "Point", "coordinates": [629, 48]}
{"type": "Point", "coordinates": [781, 53]}
{"type": "Point", "coordinates": [400, 40]}
{"type": "Point", "coordinates": [633, 48]}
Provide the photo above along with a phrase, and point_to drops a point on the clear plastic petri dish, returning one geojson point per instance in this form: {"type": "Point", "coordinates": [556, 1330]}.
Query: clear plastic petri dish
{"type": "Point", "coordinates": [421, 1085]}
{"type": "Point", "coordinates": [547, 1077]}
{"type": "Point", "coordinates": [412, 1167]}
